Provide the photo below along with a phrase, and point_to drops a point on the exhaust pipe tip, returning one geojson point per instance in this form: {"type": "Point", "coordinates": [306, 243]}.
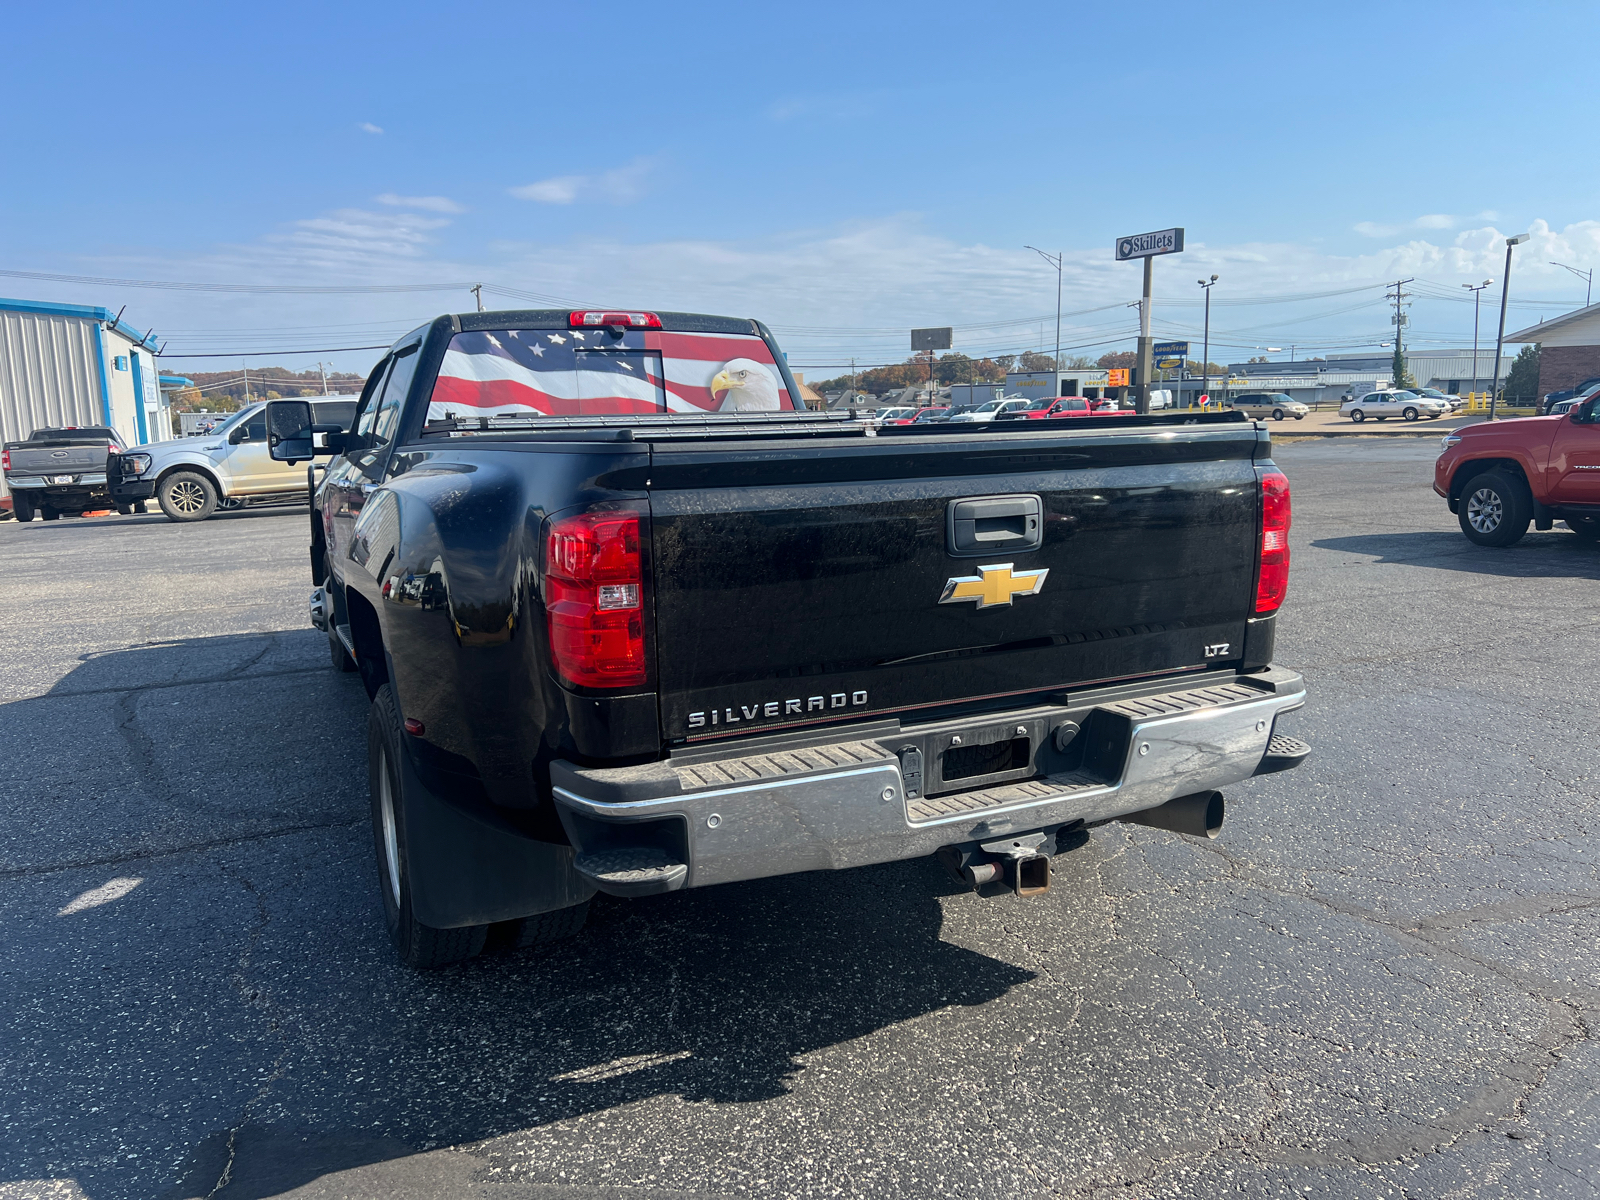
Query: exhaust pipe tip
{"type": "Point", "coordinates": [1199, 815]}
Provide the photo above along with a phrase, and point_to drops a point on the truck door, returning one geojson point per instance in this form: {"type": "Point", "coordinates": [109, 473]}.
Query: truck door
{"type": "Point", "coordinates": [247, 463]}
{"type": "Point", "coordinates": [1575, 456]}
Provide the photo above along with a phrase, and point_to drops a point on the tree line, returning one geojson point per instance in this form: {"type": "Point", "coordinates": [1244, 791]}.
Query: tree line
{"type": "Point", "coordinates": [224, 391]}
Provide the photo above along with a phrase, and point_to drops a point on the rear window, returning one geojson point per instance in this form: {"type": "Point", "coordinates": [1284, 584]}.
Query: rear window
{"type": "Point", "coordinates": [590, 372]}
{"type": "Point", "coordinates": [86, 431]}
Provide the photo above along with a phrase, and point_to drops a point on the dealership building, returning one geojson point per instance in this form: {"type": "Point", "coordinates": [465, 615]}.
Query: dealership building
{"type": "Point", "coordinates": [70, 364]}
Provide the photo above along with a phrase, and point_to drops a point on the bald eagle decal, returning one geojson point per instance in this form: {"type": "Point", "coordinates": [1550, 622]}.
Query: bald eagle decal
{"type": "Point", "coordinates": [746, 386]}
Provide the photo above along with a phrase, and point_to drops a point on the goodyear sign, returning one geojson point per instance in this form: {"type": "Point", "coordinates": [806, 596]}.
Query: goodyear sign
{"type": "Point", "coordinates": [1168, 364]}
{"type": "Point", "coordinates": [1148, 245]}
{"type": "Point", "coordinates": [1170, 349]}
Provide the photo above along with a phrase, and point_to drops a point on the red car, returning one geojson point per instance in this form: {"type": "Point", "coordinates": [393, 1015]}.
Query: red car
{"type": "Point", "coordinates": [1498, 476]}
{"type": "Point", "coordinates": [923, 416]}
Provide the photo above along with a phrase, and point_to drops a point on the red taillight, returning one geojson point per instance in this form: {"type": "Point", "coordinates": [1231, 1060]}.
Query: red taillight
{"type": "Point", "coordinates": [1273, 581]}
{"type": "Point", "coordinates": [5, 460]}
{"type": "Point", "coordinates": [631, 320]}
{"type": "Point", "coordinates": [594, 592]}
{"type": "Point", "coordinates": [113, 448]}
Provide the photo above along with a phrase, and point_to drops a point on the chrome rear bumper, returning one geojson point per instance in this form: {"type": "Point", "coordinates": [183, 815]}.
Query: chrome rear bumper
{"type": "Point", "coordinates": [844, 803]}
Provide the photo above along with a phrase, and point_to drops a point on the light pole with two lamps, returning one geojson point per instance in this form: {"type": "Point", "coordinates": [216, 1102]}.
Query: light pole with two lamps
{"type": "Point", "coordinates": [1205, 354]}
{"type": "Point", "coordinates": [1475, 289]}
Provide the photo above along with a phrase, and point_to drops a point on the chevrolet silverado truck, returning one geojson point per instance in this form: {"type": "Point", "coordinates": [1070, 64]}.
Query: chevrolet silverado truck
{"type": "Point", "coordinates": [193, 477]}
{"type": "Point", "coordinates": [59, 471]}
{"type": "Point", "coordinates": [630, 621]}
{"type": "Point", "coordinates": [1500, 476]}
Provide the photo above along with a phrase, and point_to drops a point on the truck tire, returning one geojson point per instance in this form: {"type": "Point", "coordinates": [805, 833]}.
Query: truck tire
{"type": "Point", "coordinates": [420, 946]}
{"type": "Point", "coordinates": [22, 506]}
{"type": "Point", "coordinates": [1495, 509]}
{"type": "Point", "coordinates": [537, 930]}
{"type": "Point", "coordinates": [46, 513]}
{"type": "Point", "coordinates": [186, 496]}
{"type": "Point", "coordinates": [125, 510]}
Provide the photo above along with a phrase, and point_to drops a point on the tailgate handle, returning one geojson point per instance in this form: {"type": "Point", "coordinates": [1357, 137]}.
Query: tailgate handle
{"type": "Point", "coordinates": [983, 525]}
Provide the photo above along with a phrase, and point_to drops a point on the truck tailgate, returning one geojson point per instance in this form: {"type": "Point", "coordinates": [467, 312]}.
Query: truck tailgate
{"type": "Point", "coordinates": [801, 583]}
{"type": "Point", "coordinates": [57, 459]}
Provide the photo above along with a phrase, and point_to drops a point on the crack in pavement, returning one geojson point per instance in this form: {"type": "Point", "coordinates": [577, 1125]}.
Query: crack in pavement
{"type": "Point", "coordinates": [111, 860]}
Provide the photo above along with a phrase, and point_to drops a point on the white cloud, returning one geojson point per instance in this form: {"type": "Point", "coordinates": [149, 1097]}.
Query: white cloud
{"type": "Point", "coordinates": [369, 127]}
{"type": "Point", "coordinates": [620, 185]}
{"type": "Point", "coordinates": [1435, 221]}
{"type": "Point", "coordinates": [439, 204]}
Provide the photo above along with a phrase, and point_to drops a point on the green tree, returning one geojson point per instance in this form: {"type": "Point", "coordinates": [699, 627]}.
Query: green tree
{"type": "Point", "coordinates": [1031, 361]}
{"type": "Point", "coordinates": [1118, 360]}
{"type": "Point", "coordinates": [1402, 376]}
{"type": "Point", "coordinates": [1522, 382]}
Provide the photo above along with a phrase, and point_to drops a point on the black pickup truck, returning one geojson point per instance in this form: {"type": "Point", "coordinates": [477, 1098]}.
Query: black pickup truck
{"type": "Point", "coordinates": [62, 471]}
{"type": "Point", "coordinates": [630, 622]}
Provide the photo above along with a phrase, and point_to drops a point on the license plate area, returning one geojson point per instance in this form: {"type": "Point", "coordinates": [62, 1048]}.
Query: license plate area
{"type": "Point", "coordinates": [960, 755]}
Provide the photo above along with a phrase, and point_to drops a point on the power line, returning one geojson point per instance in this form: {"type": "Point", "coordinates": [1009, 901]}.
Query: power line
{"type": "Point", "coordinates": [265, 353]}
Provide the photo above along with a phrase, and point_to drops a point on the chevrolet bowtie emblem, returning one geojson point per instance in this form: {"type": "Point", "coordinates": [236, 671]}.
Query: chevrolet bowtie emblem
{"type": "Point", "coordinates": [993, 585]}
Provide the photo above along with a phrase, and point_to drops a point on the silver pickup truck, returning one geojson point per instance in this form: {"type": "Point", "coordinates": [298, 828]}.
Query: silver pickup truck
{"type": "Point", "coordinates": [192, 477]}
{"type": "Point", "coordinates": [61, 470]}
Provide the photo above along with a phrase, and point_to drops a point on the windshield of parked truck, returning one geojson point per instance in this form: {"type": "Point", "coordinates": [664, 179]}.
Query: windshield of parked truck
{"type": "Point", "coordinates": [244, 414]}
{"type": "Point", "coordinates": [589, 372]}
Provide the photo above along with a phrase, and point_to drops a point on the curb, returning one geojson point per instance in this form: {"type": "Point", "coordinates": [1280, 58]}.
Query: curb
{"type": "Point", "coordinates": [1368, 433]}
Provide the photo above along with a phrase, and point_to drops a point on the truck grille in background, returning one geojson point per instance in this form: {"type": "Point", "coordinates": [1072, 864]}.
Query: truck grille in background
{"type": "Point", "coordinates": [964, 762]}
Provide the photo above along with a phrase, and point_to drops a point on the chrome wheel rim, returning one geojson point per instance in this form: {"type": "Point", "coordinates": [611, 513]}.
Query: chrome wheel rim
{"type": "Point", "coordinates": [391, 841]}
{"type": "Point", "coordinates": [1484, 510]}
{"type": "Point", "coordinates": [186, 497]}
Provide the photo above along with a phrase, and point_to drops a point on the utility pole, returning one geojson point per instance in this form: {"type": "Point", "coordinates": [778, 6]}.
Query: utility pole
{"type": "Point", "coordinates": [323, 367]}
{"type": "Point", "coordinates": [1205, 354]}
{"type": "Point", "coordinates": [1398, 368]}
{"type": "Point", "coordinates": [477, 291]}
{"type": "Point", "coordinates": [246, 367]}
{"type": "Point", "coordinates": [1499, 341]}
{"type": "Point", "coordinates": [1055, 261]}
{"type": "Point", "coordinates": [1476, 291]}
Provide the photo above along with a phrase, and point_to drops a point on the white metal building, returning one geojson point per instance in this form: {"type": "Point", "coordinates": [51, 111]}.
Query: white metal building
{"type": "Point", "coordinates": [70, 364]}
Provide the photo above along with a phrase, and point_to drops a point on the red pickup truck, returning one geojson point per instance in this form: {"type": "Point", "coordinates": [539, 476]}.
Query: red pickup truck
{"type": "Point", "coordinates": [1501, 475]}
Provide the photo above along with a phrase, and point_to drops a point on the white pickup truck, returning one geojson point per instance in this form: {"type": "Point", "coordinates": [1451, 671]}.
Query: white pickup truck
{"type": "Point", "coordinates": [192, 477]}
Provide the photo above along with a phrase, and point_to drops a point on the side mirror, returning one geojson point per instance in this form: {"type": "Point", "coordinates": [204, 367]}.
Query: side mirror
{"type": "Point", "coordinates": [292, 436]}
{"type": "Point", "coordinates": [241, 433]}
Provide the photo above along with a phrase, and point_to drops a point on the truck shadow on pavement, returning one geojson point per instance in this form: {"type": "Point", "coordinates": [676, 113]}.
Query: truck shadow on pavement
{"type": "Point", "coordinates": [235, 1015]}
{"type": "Point", "coordinates": [1556, 554]}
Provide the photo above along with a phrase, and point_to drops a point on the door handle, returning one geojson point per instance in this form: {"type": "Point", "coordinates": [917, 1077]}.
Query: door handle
{"type": "Point", "coordinates": [984, 525]}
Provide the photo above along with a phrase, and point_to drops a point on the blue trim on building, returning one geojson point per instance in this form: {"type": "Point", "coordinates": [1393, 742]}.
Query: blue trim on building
{"type": "Point", "coordinates": [105, 375]}
{"type": "Point", "coordinates": [82, 311]}
{"type": "Point", "coordinates": [138, 400]}
{"type": "Point", "coordinates": [173, 381]}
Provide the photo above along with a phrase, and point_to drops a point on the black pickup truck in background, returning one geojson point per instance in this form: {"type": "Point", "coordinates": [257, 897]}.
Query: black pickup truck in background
{"type": "Point", "coordinates": [61, 471]}
{"type": "Point", "coordinates": [630, 622]}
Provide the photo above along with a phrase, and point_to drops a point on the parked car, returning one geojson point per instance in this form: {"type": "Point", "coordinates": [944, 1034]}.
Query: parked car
{"type": "Point", "coordinates": [892, 414]}
{"type": "Point", "coordinates": [923, 416]}
{"type": "Point", "coordinates": [1499, 476]}
{"type": "Point", "coordinates": [1392, 403]}
{"type": "Point", "coordinates": [1453, 404]}
{"type": "Point", "coordinates": [990, 410]}
{"type": "Point", "coordinates": [599, 660]}
{"type": "Point", "coordinates": [1584, 389]}
{"type": "Point", "coordinates": [1561, 407]}
{"type": "Point", "coordinates": [192, 477]}
{"type": "Point", "coordinates": [61, 470]}
{"type": "Point", "coordinates": [1270, 404]}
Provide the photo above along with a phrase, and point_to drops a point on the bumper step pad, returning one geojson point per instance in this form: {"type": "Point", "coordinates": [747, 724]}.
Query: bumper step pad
{"type": "Point", "coordinates": [645, 871]}
{"type": "Point", "coordinates": [1284, 753]}
{"type": "Point", "coordinates": [1029, 791]}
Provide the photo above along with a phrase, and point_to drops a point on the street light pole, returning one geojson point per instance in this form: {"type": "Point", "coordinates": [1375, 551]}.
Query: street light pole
{"type": "Point", "coordinates": [1586, 276]}
{"type": "Point", "coordinates": [1499, 341]}
{"type": "Point", "coordinates": [1055, 261]}
{"type": "Point", "coordinates": [1475, 290]}
{"type": "Point", "coordinates": [1205, 354]}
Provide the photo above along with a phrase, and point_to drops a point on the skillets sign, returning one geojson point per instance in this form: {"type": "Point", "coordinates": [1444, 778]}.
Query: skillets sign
{"type": "Point", "coordinates": [1148, 245]}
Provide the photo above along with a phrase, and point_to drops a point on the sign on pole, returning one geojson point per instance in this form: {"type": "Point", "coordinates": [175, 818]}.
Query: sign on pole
{"type": "Point", "coordinates": [1117, 377]}
{"type": "Point", "coordinates": [1168, 364]}
{"type": "Point", "coordinates": [1148, 245]}
{"type": "Point", "coordinates": [1170, 349]}
{"type": "Point", "coordinates": [932, 339]}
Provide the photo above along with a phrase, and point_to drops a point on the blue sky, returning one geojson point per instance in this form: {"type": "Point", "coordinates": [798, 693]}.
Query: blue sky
{"type": "Point", "coordinates": [844, 172]}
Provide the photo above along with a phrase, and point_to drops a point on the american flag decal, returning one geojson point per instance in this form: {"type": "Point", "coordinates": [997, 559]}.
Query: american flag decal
{"type": "Point", "coordinates": [585, 372]}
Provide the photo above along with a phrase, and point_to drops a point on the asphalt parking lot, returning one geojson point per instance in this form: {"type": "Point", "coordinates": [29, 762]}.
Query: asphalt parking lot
{"type": "Point", "coordinates": [1381, 981]}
